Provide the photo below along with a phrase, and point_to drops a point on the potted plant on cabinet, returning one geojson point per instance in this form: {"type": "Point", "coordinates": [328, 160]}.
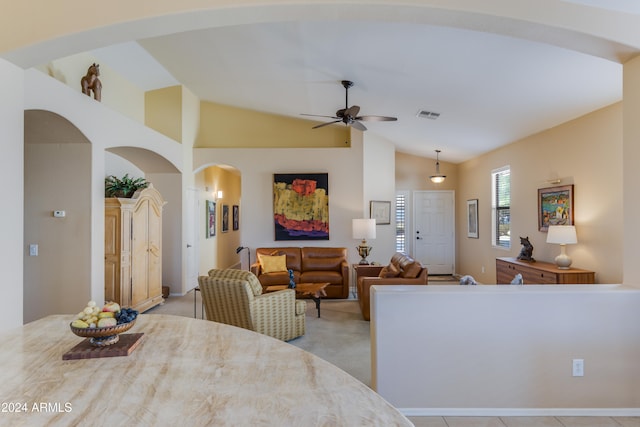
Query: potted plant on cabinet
{"type": "Point", "coordinates": [123, 187]}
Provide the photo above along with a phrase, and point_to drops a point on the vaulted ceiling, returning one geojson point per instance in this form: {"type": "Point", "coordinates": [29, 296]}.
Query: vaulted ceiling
{"type": "Point", "coordinates": [492, 80]}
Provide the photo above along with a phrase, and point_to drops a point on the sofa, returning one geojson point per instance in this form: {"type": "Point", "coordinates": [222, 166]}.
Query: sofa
{"type": "Point", "coordinates": [309, 265]}
{"type": "Point", "coordinates": [402, 270]}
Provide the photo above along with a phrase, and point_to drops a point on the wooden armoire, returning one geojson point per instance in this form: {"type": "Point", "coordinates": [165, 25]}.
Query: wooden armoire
{"type": "Point", "coordinates": [133, 249]}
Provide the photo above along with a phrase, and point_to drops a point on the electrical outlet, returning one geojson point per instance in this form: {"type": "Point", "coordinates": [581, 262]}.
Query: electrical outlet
{"type": "Point", "coordinates": [483, 268]}
{"type": "Point", "coordinates": [33, 250]}
{"type": "Point", "coordinates": [578, 367]}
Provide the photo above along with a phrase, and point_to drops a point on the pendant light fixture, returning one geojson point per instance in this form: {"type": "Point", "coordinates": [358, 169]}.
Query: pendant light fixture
{"type": "Point", "coordinates": [438, 177]}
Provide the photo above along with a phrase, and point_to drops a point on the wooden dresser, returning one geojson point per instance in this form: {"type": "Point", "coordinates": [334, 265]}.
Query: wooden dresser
{"type": "Point", "coordinates": [540, 273]}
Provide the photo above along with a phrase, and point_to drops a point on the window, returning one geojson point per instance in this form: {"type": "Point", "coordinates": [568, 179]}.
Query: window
{"type": "Point", "coordinates": [501, 207]}
{"type": "Point", "coordinates": [401, 230]}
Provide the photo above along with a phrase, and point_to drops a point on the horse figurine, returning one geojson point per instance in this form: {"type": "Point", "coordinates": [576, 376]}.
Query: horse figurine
{"type": "Point", "coordinates": [526, 253]}
{"type": "Point", "coordinates": [91, 82]}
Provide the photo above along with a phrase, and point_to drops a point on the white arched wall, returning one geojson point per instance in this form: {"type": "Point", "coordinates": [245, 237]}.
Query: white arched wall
{"type": "Point", "coordinates": [105, 129]}
{"type": "Point", "coordinates": [586, 29]}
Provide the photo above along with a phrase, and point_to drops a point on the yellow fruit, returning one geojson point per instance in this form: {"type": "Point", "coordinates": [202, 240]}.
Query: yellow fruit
{"type": "Point", "coordinates": [88, 310]}
{"type": "Point", "coordinates": [107, 321]}
{"type": "Point", "coordinates": [104, 314]}
{"type": "Point", "coordinates": [79, 324]}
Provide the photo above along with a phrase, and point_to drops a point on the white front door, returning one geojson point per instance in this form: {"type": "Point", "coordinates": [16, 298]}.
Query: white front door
{"type": "Point", "coordinates": [434, 232]}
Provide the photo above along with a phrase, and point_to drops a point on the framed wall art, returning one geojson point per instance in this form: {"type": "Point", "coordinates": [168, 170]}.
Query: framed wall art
{"type": "Point", "coordinates": [236, 217]}
{"type": "Point", "coordinates": [380, 211]}
{"type": "Point", "coordinates": [211, 218]}
{"type": "Point", "coordinates": [225, 218]}
{"type": "Point", "coordinates": [301, 206]}
{"type": "Point", "coordinates": [472, 218]}
{"type": "Point", "coordinates": [555, 206]}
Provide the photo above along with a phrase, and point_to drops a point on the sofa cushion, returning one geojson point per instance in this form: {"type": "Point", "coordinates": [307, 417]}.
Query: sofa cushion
{"type": "Point", "coordinates": [321, 258]}
{"type": "Point", "coordinates": [292, 253]}
{"type": "Point", "coordinates": [389, 271]}
{"type": "Point", "coordinates": [319, 276]}
{"type": "Point", "coordinates": [411, 270]}
{"type": "Point", "coordinates": [324, 264]}
{"type": "Point", "coordinates": [278, 278]}
{"type": "Point", "coordinates": [273, 263]}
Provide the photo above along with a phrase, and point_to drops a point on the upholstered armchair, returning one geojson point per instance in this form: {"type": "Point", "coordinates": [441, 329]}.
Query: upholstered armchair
{"type": "Point", "coordinates": [402, 270]}
{"type": "Point", "coordinates": [235, 297]}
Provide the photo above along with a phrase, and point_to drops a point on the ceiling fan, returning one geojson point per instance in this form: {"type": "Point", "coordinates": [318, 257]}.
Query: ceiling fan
{"type": "Point", "coordinates": [349, 115]}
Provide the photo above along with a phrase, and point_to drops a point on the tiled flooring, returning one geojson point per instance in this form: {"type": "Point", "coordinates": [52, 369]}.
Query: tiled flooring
{"type": "Point", "coordinates": [525, 421]}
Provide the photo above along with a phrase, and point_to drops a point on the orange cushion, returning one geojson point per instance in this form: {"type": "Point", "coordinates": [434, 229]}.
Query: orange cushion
{"type": "Point", "coordinates": [389, 271]}
{"type": "Point", "coordinates": [272, 264]}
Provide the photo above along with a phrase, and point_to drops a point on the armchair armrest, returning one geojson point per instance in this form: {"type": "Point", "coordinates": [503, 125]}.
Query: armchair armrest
{"type": "Point", "coordinates": [274, 311]}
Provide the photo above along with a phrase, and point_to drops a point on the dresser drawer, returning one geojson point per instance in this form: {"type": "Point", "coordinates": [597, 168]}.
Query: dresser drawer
{"type": "Point", "coordinates": [539, 273]}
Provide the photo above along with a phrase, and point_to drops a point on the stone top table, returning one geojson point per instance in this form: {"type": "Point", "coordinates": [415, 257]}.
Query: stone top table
{"type": "Point", "coordinates": [184, 372]}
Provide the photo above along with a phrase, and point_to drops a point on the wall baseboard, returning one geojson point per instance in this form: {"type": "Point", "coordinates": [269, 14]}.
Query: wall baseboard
{"type": "Point", "coordinates": [520, 412]}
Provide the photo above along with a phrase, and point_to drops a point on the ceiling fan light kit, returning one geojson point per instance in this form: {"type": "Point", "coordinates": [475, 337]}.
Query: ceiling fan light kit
{"type": "Point", "coordinates": [349, 115]}
{"type": "Point", "coordinates": [438, 177]}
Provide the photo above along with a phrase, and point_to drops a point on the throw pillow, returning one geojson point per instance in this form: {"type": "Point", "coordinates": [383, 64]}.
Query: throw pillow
{"type": "Point", "coordinates": [412, 270]}
{"type": "Point", "coordinates": [272, 264]}
{"type": "Point", "coordinates": [389, 271]}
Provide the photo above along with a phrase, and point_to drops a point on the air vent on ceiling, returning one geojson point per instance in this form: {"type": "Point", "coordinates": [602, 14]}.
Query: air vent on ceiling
{"type": "Point", "coordinates": [427, 114]}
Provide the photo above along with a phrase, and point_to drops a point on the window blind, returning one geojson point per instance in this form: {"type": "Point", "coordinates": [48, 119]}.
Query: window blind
{"type": "Point", "coordinates": [501, 207]}
{"type": "Point", "coordinates": [401, 204]}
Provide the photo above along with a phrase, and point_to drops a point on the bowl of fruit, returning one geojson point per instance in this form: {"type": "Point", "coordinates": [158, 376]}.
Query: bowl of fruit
{"type": "Point", "coordinates": [103, 325]}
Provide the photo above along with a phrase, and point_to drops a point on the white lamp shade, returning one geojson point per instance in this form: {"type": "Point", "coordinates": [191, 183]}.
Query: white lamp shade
{"type": "Point", "coordinates": [562, 235]}
{"type": "Point", "coordinates": [364, 228]}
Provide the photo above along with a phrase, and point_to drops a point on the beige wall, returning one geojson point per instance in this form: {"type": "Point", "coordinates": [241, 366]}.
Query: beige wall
{"type": "Point", "coordinates": [413, 172]}
{"type": "Point", "coordinates": [57, 177]}
{"type": "Point", "coordinates": [163, 111]}
{"type": "Point", "coordinates": [586, 152]}
{"type": "Point", "coordinates": [226, 126]}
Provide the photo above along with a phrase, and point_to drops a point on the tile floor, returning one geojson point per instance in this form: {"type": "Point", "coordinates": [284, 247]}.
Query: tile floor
{"type": "Point", "coordinates": [525, 421]}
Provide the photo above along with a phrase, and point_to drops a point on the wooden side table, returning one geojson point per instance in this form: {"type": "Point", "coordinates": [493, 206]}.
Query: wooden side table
{"type": "Point", "coordinates": [366, 270]}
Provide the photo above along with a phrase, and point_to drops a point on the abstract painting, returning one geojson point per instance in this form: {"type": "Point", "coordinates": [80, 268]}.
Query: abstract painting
{"type": "Point", "coordinates": [301, 206]}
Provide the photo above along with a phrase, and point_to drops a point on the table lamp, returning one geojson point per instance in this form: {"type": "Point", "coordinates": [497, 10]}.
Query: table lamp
{"type": "Point", "coordinates": [364, 229]}
{"type": "Point", "coordinates": [562, 235]}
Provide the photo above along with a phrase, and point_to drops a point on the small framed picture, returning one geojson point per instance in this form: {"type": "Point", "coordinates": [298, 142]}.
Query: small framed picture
{"type": "Point", "coordinates": [381, 212]}
{"type": "Point", "coordinates": [211, 218]}
{"type": "Point", "coordinates": [236, 217]}
{"type": "Point", "coordinates": [472, 218]}
{"type": "Point", "coordinates": [225, 218]}
{"type": "Point", "coordinates": [555, 206]}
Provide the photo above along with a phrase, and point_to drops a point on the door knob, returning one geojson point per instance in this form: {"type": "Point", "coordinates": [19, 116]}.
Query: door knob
{"type": "Point", "coordinates": [188, 245]}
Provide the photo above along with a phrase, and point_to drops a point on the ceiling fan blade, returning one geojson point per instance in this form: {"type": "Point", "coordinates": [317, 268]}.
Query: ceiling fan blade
{"type": "Point", "coordinates": [352, 111]}
{"type": "Point", "coordinates": [358, 125]}
{"type": "Point", "coordinates": [318, 115]}
{"type": "Point", "coordinates": [377, 119]}
{"type": "Point", "coordinates": [326, 124]}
